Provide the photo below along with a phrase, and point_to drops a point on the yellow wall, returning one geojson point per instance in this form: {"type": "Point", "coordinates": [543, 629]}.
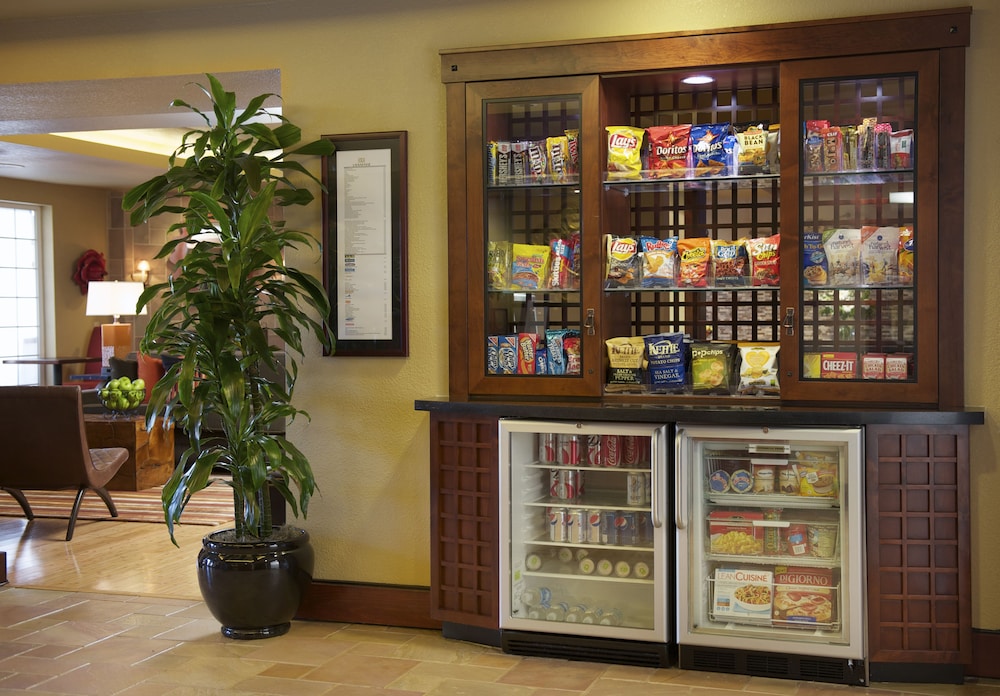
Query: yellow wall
{"type": "Point", "coordinates": [373, 66]}
{"type": "Point", "coordinates": [79, 223]}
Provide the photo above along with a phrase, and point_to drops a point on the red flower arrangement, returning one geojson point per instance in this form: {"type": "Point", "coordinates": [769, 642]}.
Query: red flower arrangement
{"type": "Point", "coordinates": [90, 266]}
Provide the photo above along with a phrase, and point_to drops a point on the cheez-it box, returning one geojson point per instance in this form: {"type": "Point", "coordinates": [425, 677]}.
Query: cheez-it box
{"type": "Point", "coordinates": [838, 365]}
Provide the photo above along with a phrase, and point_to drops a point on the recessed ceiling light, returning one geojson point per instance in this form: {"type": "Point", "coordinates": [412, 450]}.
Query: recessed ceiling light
{"type": "Point", "coordinates": [698, 80]}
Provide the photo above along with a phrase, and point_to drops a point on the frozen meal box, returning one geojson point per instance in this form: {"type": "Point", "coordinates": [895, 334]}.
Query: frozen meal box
{"type": "Point", "coordinates": [803, 596]}
{"type": "Point", "coordinates": [743, 594]}
{"type": "Point", "coordinates": [733, 532]}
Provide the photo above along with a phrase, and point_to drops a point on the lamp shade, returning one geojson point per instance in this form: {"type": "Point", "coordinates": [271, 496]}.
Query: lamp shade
{"type": "Point", "coordinates": [113, 298]}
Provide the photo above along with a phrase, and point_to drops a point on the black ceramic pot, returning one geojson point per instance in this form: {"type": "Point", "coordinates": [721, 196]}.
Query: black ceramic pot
{"type": "Point", "coordinates": [254, 589]}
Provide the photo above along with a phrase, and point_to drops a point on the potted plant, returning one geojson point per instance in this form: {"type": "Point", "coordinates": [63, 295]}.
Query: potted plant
{"type": "Point", "coordinates": [229, 289]}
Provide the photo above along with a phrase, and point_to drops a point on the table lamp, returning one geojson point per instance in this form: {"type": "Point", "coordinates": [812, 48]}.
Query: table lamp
{"type": "Point", "coordinates": [114, 298]}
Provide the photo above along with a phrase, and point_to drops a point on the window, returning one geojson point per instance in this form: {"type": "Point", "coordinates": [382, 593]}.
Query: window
{"type": "Point", "coordinates": [20, 294]}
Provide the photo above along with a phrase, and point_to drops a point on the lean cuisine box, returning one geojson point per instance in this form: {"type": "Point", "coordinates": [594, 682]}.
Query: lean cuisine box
{"type": "Point", "coordinates": [742, 595]}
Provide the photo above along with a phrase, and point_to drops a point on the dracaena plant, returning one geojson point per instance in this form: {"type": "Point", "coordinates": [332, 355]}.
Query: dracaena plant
{"type": "Point", "coordinates": [226, 293]}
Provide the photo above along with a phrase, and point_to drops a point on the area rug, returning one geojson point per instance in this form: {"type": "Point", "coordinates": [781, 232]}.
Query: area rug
{"type": "Point", "coordinates": [210, 507]}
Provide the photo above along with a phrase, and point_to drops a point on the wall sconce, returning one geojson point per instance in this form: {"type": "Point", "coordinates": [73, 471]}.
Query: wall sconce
{"type": "Point", "coordinates": [141, 273]}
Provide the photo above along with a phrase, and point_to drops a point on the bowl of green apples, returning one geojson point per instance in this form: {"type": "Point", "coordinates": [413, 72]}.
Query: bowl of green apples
{"type": "Point", "coordinates": [122, 394]}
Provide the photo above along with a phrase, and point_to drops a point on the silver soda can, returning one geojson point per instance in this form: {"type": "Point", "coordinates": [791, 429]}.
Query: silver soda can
{"type": "Point", "coordinates": [611, 450]}
{"type": "Point", "coordinates": [635, 489]}
{"type": "Point", "coordinates": [594, 527]}
{"type": "Point", "coordinates": [548, 448]}
{"type": "Point", "coordinates": [594, 450]}
{"type": "Point", "coordinates": [557, 523]}
{"type": "Point", "coordinates": [609, 530]}
{"type": "Point", "coordinates": [569, 480]}
{"type": "Point", "coordinates": [625, 524]}
{"type": "Point", "coordinates": [555, 484]}
{"type": "Point", "coordinates": [570, 450]}
{"type": "Point", "coordinates": [647, 480]}
{"type": "Point", "coordinates": [576, 526]}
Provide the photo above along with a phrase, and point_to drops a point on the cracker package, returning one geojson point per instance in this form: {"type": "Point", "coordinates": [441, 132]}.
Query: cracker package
{"type": "Point", "coordinates": [758, 369]}
{"type": "Point", "coordinates": [659, 262]}
{"type": "Point", "coordinates": [622, 262]}
{"type": "Point", "coordinates": [625, 363]}
{"type": "Point", "coordinates": [712, 367]}
{"type": "Point", "coordinates": [667, 360]}
{"type": "Point", "coordinates": [528, 266]}
{"type": "Point", "coordinates": [814, 267]}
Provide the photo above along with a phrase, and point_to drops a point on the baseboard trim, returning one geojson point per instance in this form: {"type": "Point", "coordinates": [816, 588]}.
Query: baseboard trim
{"type": "Point", "coordinates": [384, 605]}
{"type": "Point", "coordinates": [985, 648]}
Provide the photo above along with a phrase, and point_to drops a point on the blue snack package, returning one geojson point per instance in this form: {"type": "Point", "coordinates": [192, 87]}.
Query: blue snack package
{"type": "Point", "coordinates": [667, 362]}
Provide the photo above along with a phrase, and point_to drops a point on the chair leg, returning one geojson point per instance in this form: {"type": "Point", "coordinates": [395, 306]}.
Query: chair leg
{"type": "Point", "coordinates": [106, 497]}
{"type": "Point", "coordinates": [22, 501]}
{"type": "Point", "coordinates": [75, 512]}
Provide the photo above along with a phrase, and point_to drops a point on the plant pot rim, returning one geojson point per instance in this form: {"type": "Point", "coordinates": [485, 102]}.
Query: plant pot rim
{"type": "Point", "coordinates": [283, 535]}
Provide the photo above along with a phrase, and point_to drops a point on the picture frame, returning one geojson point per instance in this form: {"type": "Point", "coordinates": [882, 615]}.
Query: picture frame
{"type": "Point", "coordinates": [365, 243]}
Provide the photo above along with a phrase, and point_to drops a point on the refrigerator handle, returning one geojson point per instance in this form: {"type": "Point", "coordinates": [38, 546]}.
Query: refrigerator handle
{"type": "Point", "coordinates": [680, 491]}
{"type": "Point", "coordinates": [654, 483]}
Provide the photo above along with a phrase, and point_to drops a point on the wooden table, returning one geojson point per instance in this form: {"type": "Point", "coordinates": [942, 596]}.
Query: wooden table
{"type": "Point", "coordinates": [56, 363]}
{"type": "Point", "coordinates": [150, 454]}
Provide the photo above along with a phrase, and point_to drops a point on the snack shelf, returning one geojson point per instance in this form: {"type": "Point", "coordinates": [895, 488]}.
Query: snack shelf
{"type": "Point", "coordinates": [536, 184]}
{"type": "Point", "coordinates": [856, 177]}
{"type": "Point", "coordinates": [706, 289]}
{"type": "Point", "coordinates": [590, 547]}
{"type": "Point", "coordinates": [782, 560]}
{"type": "Point", "coordinates": [591, 501]}
{"type": "Point", "coordinates": [648, 182]}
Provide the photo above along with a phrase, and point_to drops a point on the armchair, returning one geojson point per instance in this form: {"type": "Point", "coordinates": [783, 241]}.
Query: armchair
{"type": "Point", "coordinates": [46, 448]}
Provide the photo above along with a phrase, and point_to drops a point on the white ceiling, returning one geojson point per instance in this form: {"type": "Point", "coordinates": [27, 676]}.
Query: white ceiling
{"type": "Point", "coordinates": [29, 151]}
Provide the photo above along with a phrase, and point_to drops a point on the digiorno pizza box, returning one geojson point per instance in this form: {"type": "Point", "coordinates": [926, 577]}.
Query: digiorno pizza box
{"type": "Point", "coordinates": [804, 597]}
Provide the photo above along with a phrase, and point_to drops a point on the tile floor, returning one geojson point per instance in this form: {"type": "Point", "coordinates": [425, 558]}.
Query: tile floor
{"type": "Point", "coordinates": [61, 642]}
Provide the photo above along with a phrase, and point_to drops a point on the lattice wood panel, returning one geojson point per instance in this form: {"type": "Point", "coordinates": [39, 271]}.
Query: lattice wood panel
{"type": "Point", "coordinates": [464, 514]}
{"type": "Point", "coordinates": [919, 587]}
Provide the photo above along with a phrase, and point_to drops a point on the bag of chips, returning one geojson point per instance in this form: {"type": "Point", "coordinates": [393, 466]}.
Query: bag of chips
{"type": "Point", "coordinates": [712, 367]}
{"type": "Point", "coordinates": [752, 137]}
{"type": "Point", "coordinates": [669, 151]}
{"type": "Point", "coordinates": [707, 154]}
{"type": "Point", "coordinates": [765, 260]}
{"type": "Point", "coordinates": [694, 256]}
{"type": "Point", "coordinates": [622, 263]}
{"type": "Point", "coordinates": [758, 369]}
{"type": "Point", "coordinates": [624, 152]}
{"type": "Point", "coordinates": [667, 360]}
{"type": "Point", "coordinates": [843, 255]}
{"type": "Point", "coordinates": [625, 364]}
{"type": "Point", "coordinates": [659, 262]}
{"type": "Point", "coordinates": [729, 263]}
{"type": "Point", "coordinates": [879, 255]}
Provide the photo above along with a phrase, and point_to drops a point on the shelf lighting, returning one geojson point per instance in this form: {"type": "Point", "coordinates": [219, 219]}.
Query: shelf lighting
{"type": "Point", "coordinates": [697, 80]}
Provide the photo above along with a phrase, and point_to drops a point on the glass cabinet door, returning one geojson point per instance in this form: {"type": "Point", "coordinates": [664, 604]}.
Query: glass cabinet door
{"type": "Point", "coordinates": [528, 243]}
{"type": "Point", "coordinates": [861, 235]}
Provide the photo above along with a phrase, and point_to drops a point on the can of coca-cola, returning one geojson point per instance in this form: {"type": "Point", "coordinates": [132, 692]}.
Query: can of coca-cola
{"type": "Point", "coordinates": [570, 450]}
{"type": "Point", "coordinates": [630, 450]}
{"type": "Point", "coordinates": [548, 448]}
{"type": "Point", "coordinates": [594, 450]}
{"type": "Point", "coordinates": [611, 450]}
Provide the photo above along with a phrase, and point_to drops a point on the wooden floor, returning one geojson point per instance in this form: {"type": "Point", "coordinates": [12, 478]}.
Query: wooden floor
{"type": "Point", "coordinates": [104, 556]}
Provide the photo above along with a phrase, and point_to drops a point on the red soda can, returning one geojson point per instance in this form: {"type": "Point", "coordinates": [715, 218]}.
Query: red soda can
{"type": "Point", "coordinates": [594, 450]}
{"type": "Point", "coordinates": [630, 450]}
{"type": "Point", "coordinates": [548, 448]}
{"type": "Point", "coordinates": [569, 450]}
{"type": "Point", "coordinates": [611, 450]}
{"type": "Point", "coordinates": [556, 519]}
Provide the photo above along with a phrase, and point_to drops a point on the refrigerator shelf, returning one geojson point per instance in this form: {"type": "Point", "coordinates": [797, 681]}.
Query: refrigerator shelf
{"type": "Point", "coordinates": [595, 578]}
{"type": "Point", "coordinates": [589, 501]}
{"type": "Point", "coordinates": [783, 560]}
{"type": "Point", "coordinates": [773, 500]}
{"type": "Point", "coordinates": [645, 548]}
{"type": "Point", "coordinates": [641, 468]}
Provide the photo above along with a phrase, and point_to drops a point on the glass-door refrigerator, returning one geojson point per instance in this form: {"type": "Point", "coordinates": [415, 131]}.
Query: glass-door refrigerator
{"type": "Point", "coordinates": [770, 539]}
{"type": "Point", "coordinates": [586, 564]}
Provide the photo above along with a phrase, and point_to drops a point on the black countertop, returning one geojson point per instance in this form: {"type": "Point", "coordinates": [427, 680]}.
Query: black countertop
{"type": "Point", "coordinates": [776, 415]}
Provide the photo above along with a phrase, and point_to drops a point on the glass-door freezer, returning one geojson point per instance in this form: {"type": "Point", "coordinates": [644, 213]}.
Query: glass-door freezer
{"type": "Point", "coordinates": [770, 540]}
{"type": "Point", "coordinates": [586, 530]}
